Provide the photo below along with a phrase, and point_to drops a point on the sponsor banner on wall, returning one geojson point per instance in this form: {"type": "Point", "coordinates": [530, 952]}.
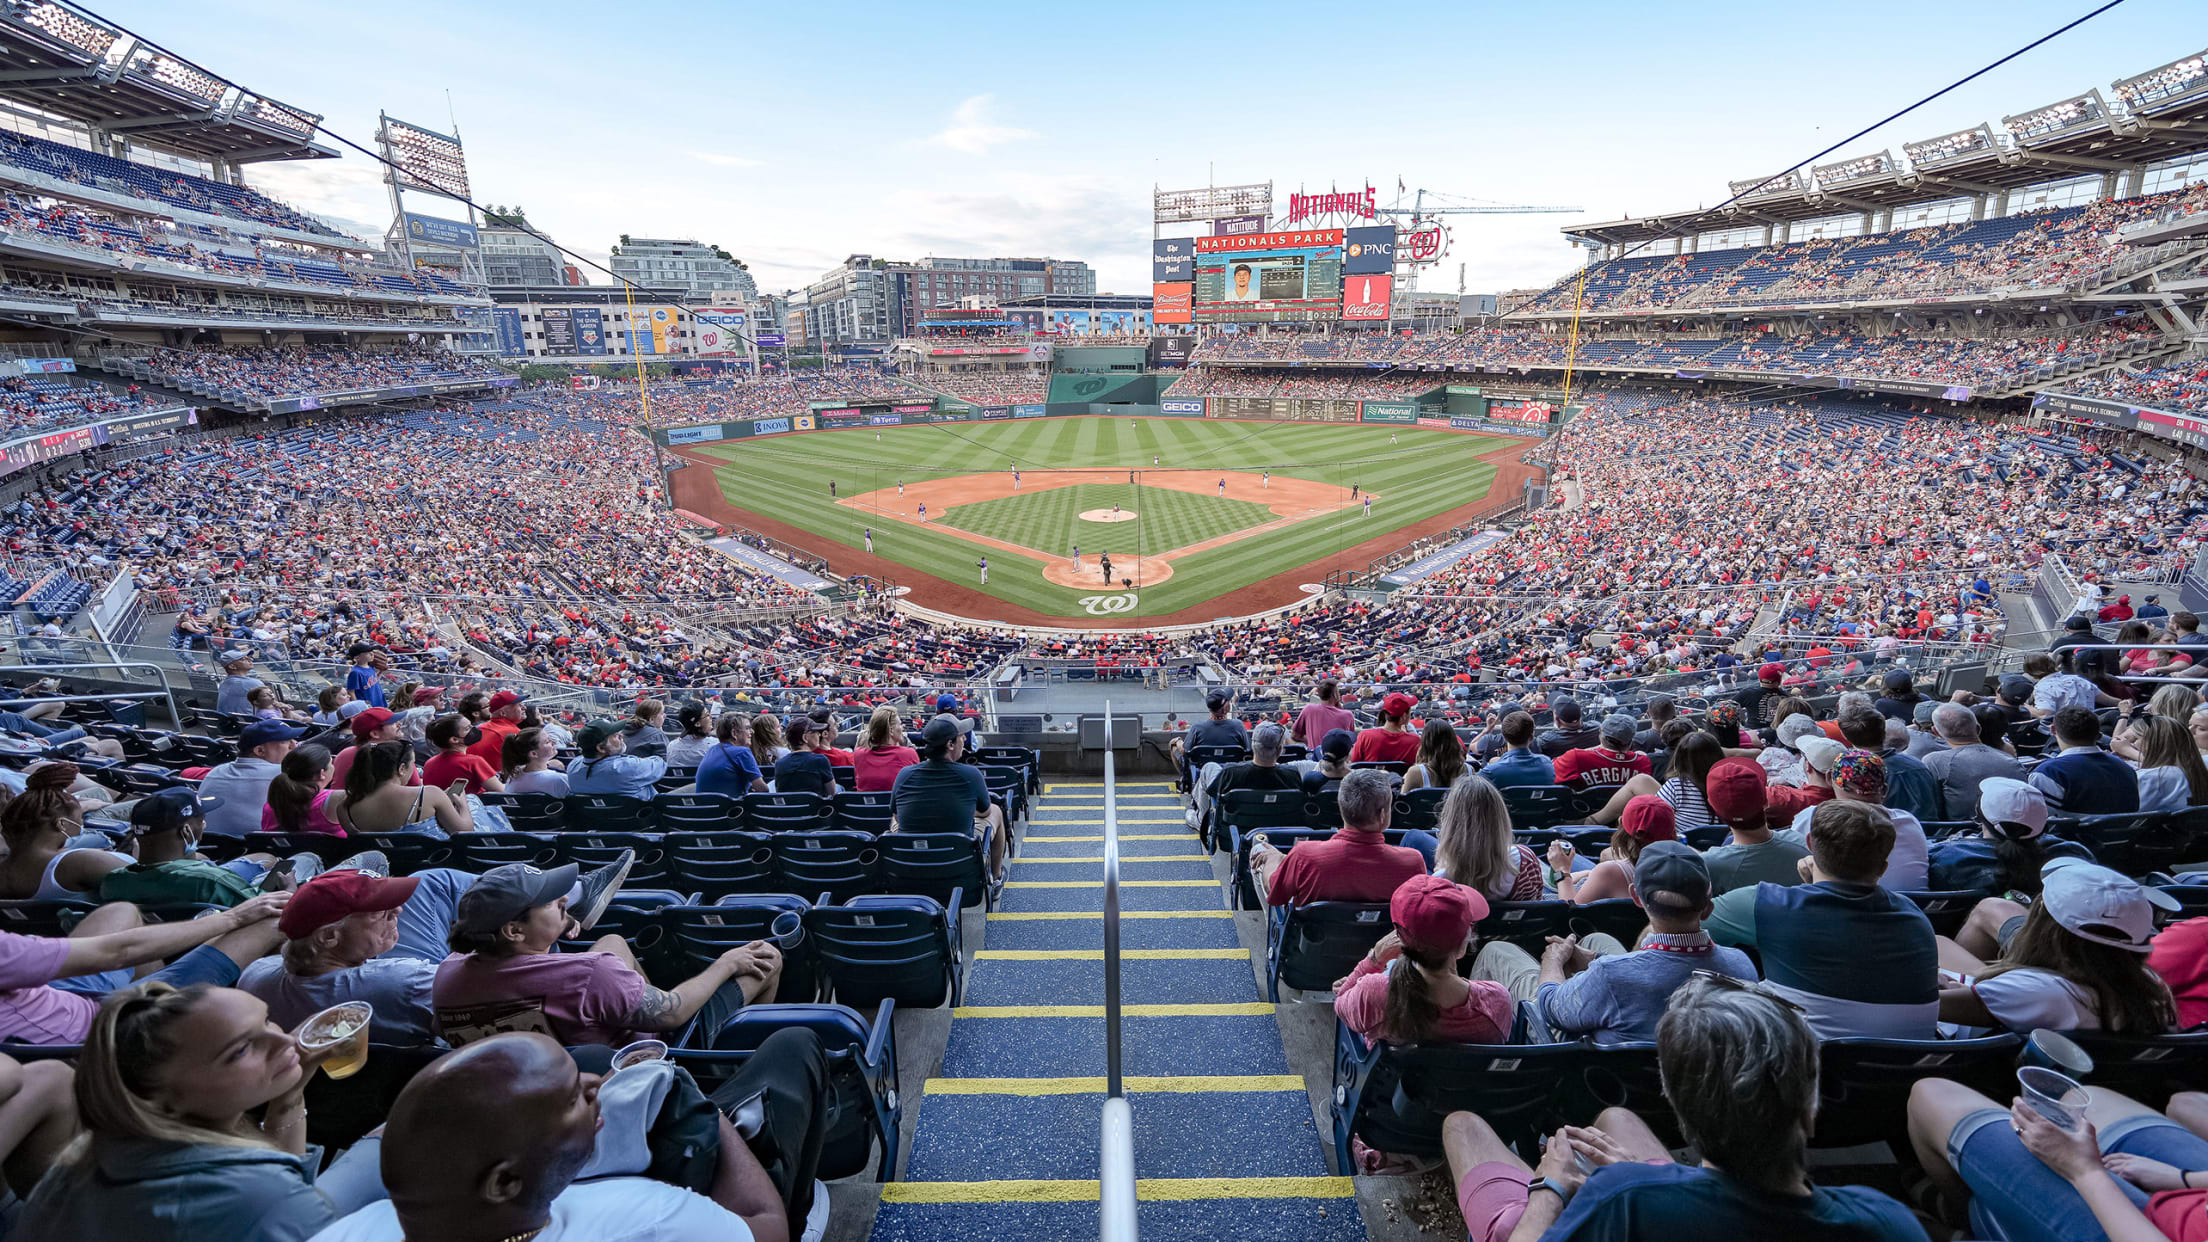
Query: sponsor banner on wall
{"type": "Point", "coordinates": [923, 408]}
{"type": "Point", "coordinates": [559, 329]}
{"type": "Point", "coordinates": [1368, 251]}
{"type": "Point", "coordinates": [774, 426]}
{"type": "Point", "coordinates": [695, 435]}
{"type": "Point", "coordinates": [1390, 412]}
{"type": "Point", "coordinates": [991, 413]}
{"type": "Point", "coordinates": [1366, 297]}
{"type": "Point", "coordinates": [146, 424]}
{"type": "Point", "coordinates": [1030, 411]}
{"type": "Point", "coordinates": [506, 322]}
{"type": "Point", "coordinates": [884, 420]}
{"type": "Point", "coordinates": [1231, 226]}
{"type": "Point", "coordinates": [2114, 413]}
{"type": "Point", "coordinates": [590, 330]}
{"type": "Point", "coordinates": [1170, 351]}
{"type": "Point", "coordinates": [1172, 259]}
{"type": "Point", "coordinates": [1436, 422]}
{"type": "Point", "coordinates": [1182, 407]}
{"type": "Point", "coordinates": [1171, 303]}
{"type": "Point", "coordinates": [1521, 411]}
{"type": "Point", "coordinates": [1466, 422]}
{"type": "Point", "coordinates": [843, 417]}
{"type": "Point", "coordinates": [771, 340]}
{"type": "Point", "coordinates": [438, 231]}
{"type": "Point", "coordinates": [720, 329]}
{"type": "Point", "coordinates": [652, 330]}
{"type": "Point", "coordinates": [1463, 390]}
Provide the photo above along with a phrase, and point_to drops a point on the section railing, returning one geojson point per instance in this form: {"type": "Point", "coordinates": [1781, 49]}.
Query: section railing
{"type": "Point", "coordinates": [1116, 1159]}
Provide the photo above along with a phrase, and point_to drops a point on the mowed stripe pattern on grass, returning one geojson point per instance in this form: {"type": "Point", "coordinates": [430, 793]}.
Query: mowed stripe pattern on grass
{"type": "Point", "coordinates": [1421, 473]}
{"type": "Point", "coordinates": [1165, 518]}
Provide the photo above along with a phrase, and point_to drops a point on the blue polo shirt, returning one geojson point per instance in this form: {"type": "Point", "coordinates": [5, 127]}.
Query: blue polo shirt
{"type": "Point", "coordinates": [2087, 781]}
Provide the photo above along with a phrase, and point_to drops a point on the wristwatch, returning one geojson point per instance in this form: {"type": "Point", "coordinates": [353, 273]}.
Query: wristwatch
{"type": "Point", "coordinates": [1551, 1185]}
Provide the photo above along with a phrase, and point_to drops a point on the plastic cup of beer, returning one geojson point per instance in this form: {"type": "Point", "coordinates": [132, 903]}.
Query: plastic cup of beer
{"type": "Point", "coordinates": [344, 1028]}
{"type": "Point", "coordinates": [641, 1052]}
{"type": "Point", "coordinates": [2057, 1097]}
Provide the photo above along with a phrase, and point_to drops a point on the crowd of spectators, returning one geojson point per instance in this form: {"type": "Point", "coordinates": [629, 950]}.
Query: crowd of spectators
{"type": "Point", "coordinates": [988, 387]}
{"type": "Point", "coordinates": [2169, 386]}
{"type": "Point", "coordinates": [250, 373]}
{"type": "Point", "coordinates": [778, 395]}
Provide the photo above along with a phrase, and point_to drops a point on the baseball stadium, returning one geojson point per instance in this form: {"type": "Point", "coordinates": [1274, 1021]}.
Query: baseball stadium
{"type": "Point", "coordinates": [813, 684]}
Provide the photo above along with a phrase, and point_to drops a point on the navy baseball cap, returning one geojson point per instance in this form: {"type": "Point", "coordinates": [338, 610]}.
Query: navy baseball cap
{"type": "Point", "coordinates": [947, 702]}
{"type": "Point", "coordinates": [262, 732]}
{"type": "Point", "coordinates": [168, 809]}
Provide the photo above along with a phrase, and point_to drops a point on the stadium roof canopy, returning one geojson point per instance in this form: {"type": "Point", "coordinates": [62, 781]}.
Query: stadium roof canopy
{"type": "Point", "coordinates": [61, 63]}
{"type": "Point", "coordinates": [2157, 116]}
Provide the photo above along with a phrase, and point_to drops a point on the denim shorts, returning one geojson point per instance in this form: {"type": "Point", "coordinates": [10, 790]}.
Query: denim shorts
{"type": "Point", "coordinates": [2031, 1202]}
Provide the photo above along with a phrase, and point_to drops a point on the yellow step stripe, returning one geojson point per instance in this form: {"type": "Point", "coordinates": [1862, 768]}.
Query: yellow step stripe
{"type": "Point", "coordinates": [1032, 915]}
{"type": "Point", "coordinates": [1125, 858]}
{"type": "Point", "coordinates": [1125, 836]}
{"type": "Point", "coordinates": [1148, 1189]}
{"type": "Point", "coordinates": [1227, 1009]}
{"type": "Point", "coordinates": [1097, 955]}
{"type": "Point", "coordinates": [1099, 884]}
{"type": "Point", "coordinates": [1095, 1086]}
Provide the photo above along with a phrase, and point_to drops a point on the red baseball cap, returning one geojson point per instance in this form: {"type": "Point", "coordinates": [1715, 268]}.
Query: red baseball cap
{"type": "Point", "coordinates": [1649, 818]}
{"type": "Point", "coordinates": [427, 694]}
{"type": "Point", "coordinates": [1434, 913]}
{"type": "Point", "coordinates": [1736, 790]}
{"type": "Point", "coordinates": [369, 721]}
{"type": "Point", "coordinates": [1771, 672]}
{"type": "Point", "coordinates": [332, 895]}
{"type": "Point", "coordinates": [503, 699]}
{"type": "Point", "coordinates": [1397, 704]}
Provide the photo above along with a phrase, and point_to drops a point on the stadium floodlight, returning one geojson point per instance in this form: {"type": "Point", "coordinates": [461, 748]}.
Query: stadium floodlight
{"type": "Point", "coordinates": [58, 23]}
{"type": "Point", "coordinates": [283, 118]}
{"type": "Point", "coordinates": [1863, 168]}
{"type": "Point", "coordinates": [1217, 202]}
{"type": "Point", "coordinates": [1963, 144]}
{"type": "Point", "coordinates": [177, 76]}
{"type": "Point", "coordinates": [2058, 120]}
{"type": "Point", "coordinates": [1789, 182]}
{"type": "Point", "coordinates": [2156, 89]}
{"type": "Point", "coordinates": [423, 159]}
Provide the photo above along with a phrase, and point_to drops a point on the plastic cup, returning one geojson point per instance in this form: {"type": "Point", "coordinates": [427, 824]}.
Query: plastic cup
{"type": "Point", "coordinates": [2052, 1050]}
{"type": "Point", "coordinates": [2052, 1095]}
{"type": "Point", "coordinates": [787, 930]}
{"type": "Point", "coordinates": [344, 1028]}
{"type": "Point", "coordinates": [641, 1052]}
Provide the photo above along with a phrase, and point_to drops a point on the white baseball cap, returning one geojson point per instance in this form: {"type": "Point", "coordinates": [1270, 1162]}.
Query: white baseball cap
{"type": "Point", "coordinates": [2006, 800]}
{"type": "Point", "coordinates": [2103, 906]}
{"type": "Point", "coordinates": [1796, 727]}
{"type": "Point", "coordinates": [1820, 752]}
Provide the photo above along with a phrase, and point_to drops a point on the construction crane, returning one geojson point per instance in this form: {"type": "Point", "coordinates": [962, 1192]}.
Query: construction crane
{"type": "Point", "coordinates": [1418, 213]}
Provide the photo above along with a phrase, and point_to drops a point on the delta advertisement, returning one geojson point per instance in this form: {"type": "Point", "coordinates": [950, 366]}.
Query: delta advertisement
{"type": "Point", "coordinates": [506, 321]}
{"type": "Point", "coordinates": [559, 329]}
{"type": "Point", "coordinates": [652, 330]}
{"type": "Point", "coordinates": [590, 330]}
{"type": "Point", "coordinates": [720, 330]}
{"type": "Point", "coordinates": [436, 231]}
{"type": "Point", "coordinates": [1466, 422]}
{"type": "Point", "coordinates": [1172, 303]}
{"type": "Point", "coordinates": [1390, 412]}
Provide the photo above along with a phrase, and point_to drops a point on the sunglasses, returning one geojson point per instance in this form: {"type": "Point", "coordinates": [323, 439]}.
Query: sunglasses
{"type": "Point", "coordinates": [1741, 985]}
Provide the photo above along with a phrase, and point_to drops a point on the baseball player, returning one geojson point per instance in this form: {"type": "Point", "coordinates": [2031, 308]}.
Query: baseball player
{"type": "Point", "coordinates": [1368, 506]}
{"type": "Point", "coordinates": [1222, 485]}
{"type": "Point", "coordinates": [831, 489]}
{"type": "Point", "coordinates": [1106, 566]}
{"type": "Point", "coordinates": [984, 563]}
{"type": "Point", "coordinates": [1266, 480]}
{"type": "Point", "coordinates": [870, 540]}
{"type": "Point", "coordinates": [1015, 478]}
{"type": "Point", "coordinates": [1077, 556]}
{"type": "Point", "coordinates": [923, 510]}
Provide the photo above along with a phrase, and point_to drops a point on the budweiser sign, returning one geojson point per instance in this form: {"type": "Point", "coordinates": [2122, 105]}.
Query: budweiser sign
{"type": "Point", "coordinates": [1364, 205]}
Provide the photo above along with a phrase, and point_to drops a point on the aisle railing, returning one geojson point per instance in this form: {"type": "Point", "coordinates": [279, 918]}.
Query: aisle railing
{"type": "Point", "coordinates": [1116, 1160]}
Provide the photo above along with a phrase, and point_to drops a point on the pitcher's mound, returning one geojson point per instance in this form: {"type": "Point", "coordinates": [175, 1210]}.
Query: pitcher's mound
{"type": "Point", "coordinates": [1108, 515]}
{"type": "Point", "coordinates": [1146, 572]}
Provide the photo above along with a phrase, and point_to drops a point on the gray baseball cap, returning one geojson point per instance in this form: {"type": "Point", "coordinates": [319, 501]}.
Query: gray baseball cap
{"type": "Point", "coordinates": [504, 894]}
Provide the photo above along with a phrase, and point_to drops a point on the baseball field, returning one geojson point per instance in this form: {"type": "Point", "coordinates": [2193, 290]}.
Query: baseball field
{"type": "Point", "coordinates": [1200, 518]}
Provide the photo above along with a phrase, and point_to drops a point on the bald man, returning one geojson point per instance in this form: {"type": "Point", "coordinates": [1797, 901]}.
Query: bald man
{"type": "Point", "coordinates": [486, 1144]}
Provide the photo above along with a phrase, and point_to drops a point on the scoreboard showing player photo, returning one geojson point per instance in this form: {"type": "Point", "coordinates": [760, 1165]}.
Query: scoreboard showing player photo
{"type": "Point", "coordinates": [1269, 277]}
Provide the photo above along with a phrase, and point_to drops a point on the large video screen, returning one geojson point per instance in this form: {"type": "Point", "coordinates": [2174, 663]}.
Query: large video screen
{"type": "Point", "coordinates": [1268, 277]}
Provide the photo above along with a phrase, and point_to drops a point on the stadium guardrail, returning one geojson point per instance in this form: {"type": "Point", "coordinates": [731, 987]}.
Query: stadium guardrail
{"type": "Point", "coordinates": [1116, 1142]}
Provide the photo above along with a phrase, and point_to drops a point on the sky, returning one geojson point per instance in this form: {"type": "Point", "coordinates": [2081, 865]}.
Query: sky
{"type": "Point", "coordinates": [795, 135]}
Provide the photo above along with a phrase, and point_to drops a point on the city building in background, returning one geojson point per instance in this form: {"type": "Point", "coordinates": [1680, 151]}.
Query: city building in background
{"type": "Point", "coordinates": [707, 271]}
{"type": "Point", "coordinates": [937, 283]}
{"type": "Point", "coordinates": [514, 258]}
{"type": "Point", "coordinates": [848, 310]}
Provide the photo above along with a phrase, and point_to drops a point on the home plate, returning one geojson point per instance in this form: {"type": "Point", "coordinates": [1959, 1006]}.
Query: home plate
{"type": "Point", "coordinates": [1107, 515]}
{"type": "Point", "coordinates": [1087, 574]}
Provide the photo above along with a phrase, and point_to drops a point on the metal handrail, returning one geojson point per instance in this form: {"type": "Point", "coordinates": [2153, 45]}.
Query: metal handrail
{"type": "Point", "coordinates": [1116, 1160]}
{"type": "Point", "coordinates": [168, 694]}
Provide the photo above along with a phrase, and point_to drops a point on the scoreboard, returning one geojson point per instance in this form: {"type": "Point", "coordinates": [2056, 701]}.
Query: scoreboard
{"type": "Point", "coordinates": [1268, 277]}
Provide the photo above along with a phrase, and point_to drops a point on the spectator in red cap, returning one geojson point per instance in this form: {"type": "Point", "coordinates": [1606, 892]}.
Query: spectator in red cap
{"type": "Point", "coordinates": [1392, 740]}
{"type": "Point", "coordinates": [1354, 864]}
{"type": "Point", "coordinates": [375, 725]}
{"type": "Point", "coordinates": [506, 710]}
{"type": "Point", "coordinates": [1737, 790]}
{"type": "Point", "coordinates": [1425, 998]}
{"type": "Point", "coordinates": [1647, 818]}
{"type": "Point", "coordinates": [1759, 705]}
{"type": "Point", "coordinates": [341, 943]}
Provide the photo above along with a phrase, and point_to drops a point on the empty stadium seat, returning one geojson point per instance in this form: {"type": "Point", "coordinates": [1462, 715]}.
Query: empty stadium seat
{"type": "Point", "coordinates": [1308, 947]}
{"type": "Point", "coordinates": [905, 949]}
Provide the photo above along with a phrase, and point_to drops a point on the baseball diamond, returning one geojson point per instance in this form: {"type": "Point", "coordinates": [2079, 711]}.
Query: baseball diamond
{"type": "Point", "coordinates": [1232, 519]}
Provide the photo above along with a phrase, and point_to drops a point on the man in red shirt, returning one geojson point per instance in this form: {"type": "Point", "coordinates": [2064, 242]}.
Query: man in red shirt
{"type": "Point", "coordinates": [1613, 762]}
{"type": "Point", "coordinates": [1355, 864]}
{"type": "Point", "coordinates": [1392, 741]}
{"type": "Point", "coordinates": [824, 722]}
{"type": "Point", "coordinates": [505, 708]}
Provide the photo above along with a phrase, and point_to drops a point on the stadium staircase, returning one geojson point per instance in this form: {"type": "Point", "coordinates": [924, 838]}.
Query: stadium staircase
{"type": "Point", "coordinates": [1006, 1141]}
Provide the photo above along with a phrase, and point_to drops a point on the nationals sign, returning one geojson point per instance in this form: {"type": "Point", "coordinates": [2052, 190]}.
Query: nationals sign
{"type": "Point", "coordinates": [1423, 244]}
{"type": "Point", "coordinates": [1364, 205]}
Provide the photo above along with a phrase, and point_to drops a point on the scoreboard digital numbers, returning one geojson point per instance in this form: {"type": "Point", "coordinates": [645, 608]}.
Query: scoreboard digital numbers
{"type": "Point", "coordinates": [1268, 277]}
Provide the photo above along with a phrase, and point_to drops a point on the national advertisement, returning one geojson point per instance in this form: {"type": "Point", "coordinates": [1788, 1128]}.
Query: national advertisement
{"type": "Point", "coordinates": [991, 413]}
{"type": "Point", "coordinates": [1182, 407]}
{"type": "Point", "coordinates": [1390, 412]}
{"type": "Point", "coordinates": [437, 231]}
{"type": "Point", "coordinates": [1170, 258]}
{"type": "Point", "coordinates": [695, 435]}
{"type": "Point", "coordinates": [775, 426]}
{"type": "Point", "coordinates": [1368, 251]}
{"type": "Point", "coordinates": [1367, 297]}
{"type": "Point", "coordinates": [884, 420]}
{"type": "Point", "coordinates": [559, 329]}
{"type": "Point", "coordinates": [1030, 411]}
{"type": "Point", "coordinates": [590, 330]}
{"type": "Point", "coordinates": [506, 321]}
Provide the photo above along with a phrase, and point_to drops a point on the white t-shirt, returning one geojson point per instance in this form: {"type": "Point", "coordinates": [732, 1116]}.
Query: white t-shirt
{"type": "Point", "coordinates": [613, 1209]}
{"type": "Point", "coordinates": [2028, 999]}
{"type": "Point", "coordinates": [1908, 868]}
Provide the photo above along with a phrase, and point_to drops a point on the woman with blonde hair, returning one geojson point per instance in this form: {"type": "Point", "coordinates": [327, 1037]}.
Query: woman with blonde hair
{"type": "Point", "coordinates": [195, 1127]}
{"type": "Point", "coordinates": [881, 753]}
{"type": "Point", "coordinates": [1477, 849]}
{"type": "Point", "coordinates": [2171, 774]}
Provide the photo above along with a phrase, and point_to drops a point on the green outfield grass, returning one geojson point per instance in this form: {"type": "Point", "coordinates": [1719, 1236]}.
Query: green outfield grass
{"type": "Point", "coordinates": [1050, 521]}
{"type": "Point", "coordinates": [1422, 473]}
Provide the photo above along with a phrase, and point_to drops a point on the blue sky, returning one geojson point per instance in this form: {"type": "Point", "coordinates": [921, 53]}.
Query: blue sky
{"type": "Point", "coordinates": [793, 135]}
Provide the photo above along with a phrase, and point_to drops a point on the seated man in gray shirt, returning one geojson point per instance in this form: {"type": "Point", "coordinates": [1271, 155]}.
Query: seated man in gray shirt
{"type": "Point", "coordinates": [1618, 998]}
{"type": "Point", "coordinates": [1966, 762]}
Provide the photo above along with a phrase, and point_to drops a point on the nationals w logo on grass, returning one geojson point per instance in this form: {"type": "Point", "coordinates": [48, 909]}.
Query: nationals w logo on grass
{"type": "Point", "coordinates": [1103, 605]}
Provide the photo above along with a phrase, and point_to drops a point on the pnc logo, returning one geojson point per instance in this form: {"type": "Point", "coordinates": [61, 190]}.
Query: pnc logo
{"type": "Point", "coordinates": [1104, 605]}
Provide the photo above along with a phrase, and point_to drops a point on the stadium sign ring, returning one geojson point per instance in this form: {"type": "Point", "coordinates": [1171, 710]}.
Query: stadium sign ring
{"type": "Point", "coordinates": [1104, 605]}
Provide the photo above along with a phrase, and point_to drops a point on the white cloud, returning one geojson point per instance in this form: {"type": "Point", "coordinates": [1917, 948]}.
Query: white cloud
{"type": "Point", "coordinates": [724, 161]}
{"type": "Point", "coordinates": [971, 132]}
